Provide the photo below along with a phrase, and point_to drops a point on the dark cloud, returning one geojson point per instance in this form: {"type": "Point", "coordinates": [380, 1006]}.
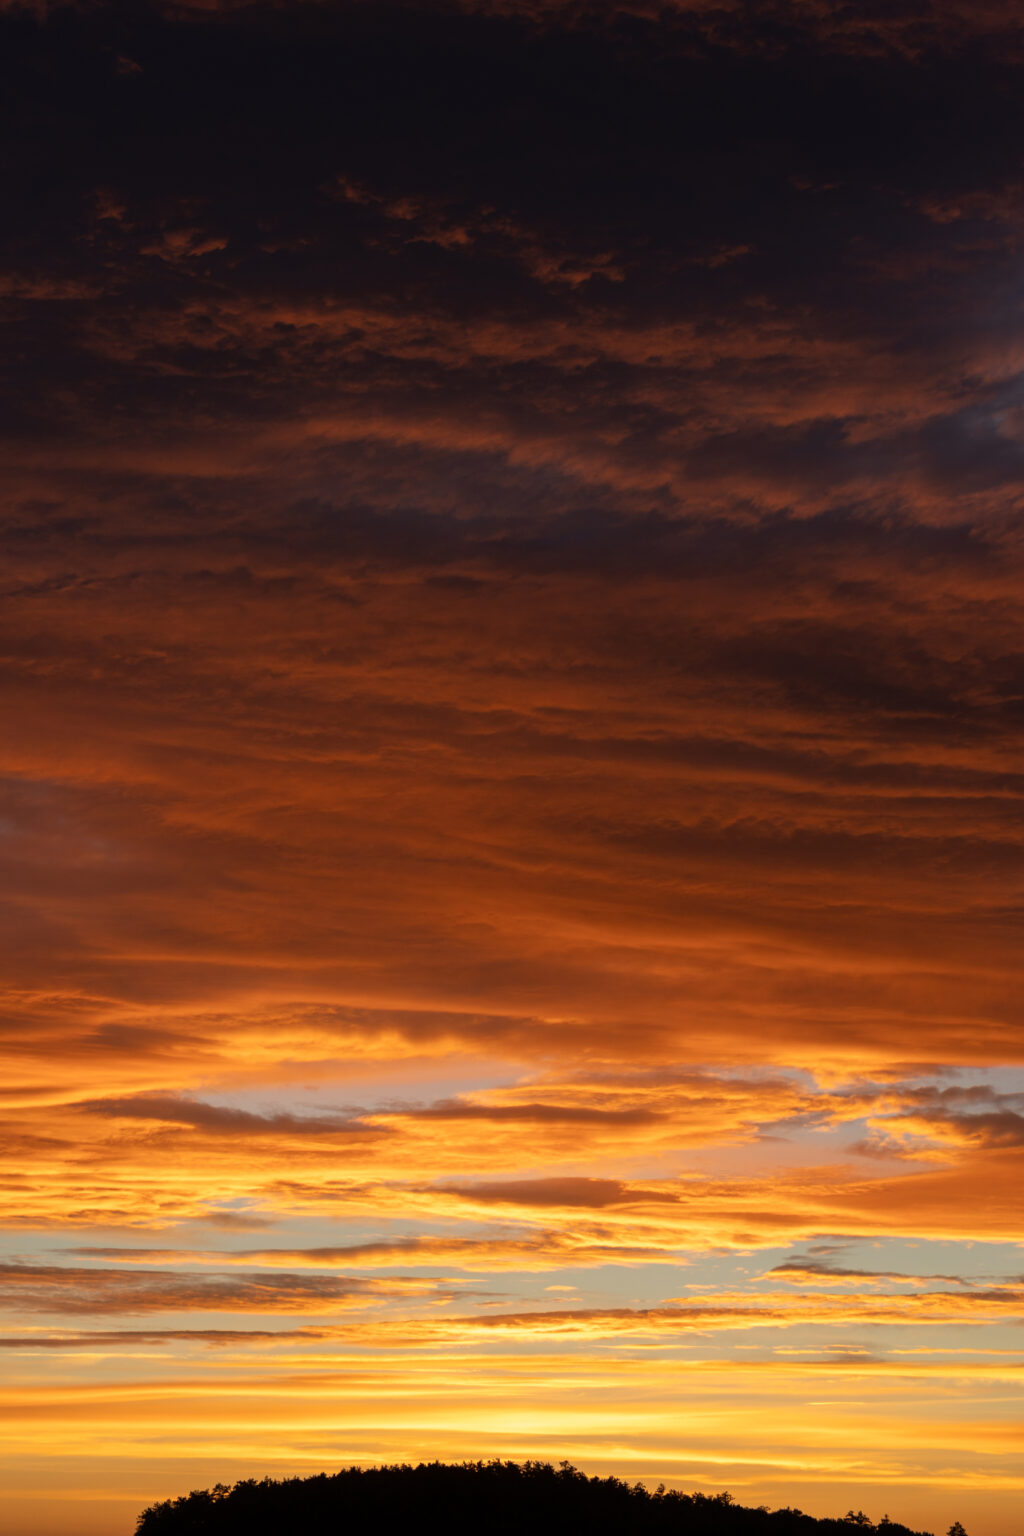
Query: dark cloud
{"type": "Point", "coordinates": [537, 1114]}
{"type": "Point", "coordinates": [136, 1338]}
{"type": "Point", "coordinates": [639, 1318]}
{"type": "Point", "coordinates": [999, 1128]}
{"type": "Point", "coordinates": [58, 1289]}
{"type": "Point", "coordinates": [535, 1249]}
{"type": "Point", "coordinates": [236, 1221]}
{"type": "Point", "coordinates": [820, 1269]}
{"type": "Point", "coordinates": [350, 1253]}
{"type": "Point", "coordinates": [978, 1115]}
{"type": "Point", "coordinates": [219, 1119]}
{"type": "Point", "coordinates": [580, 1192]}
{"type": "Point", "coordinates": [171, 1110]}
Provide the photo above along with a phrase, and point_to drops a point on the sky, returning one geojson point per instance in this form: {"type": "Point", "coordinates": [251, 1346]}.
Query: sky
{"type": "Point", "coordinates": [510, 779]}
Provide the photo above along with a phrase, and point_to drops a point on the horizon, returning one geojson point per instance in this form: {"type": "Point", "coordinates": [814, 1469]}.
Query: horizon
{"type": "Point", "coordinates": [511, 769]}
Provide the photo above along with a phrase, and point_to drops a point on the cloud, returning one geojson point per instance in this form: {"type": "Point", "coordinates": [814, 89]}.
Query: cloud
{"type": "Point", "coordinates": [543, 1249]}
{"type": "Point", "coordinates": [236, 1221]}
{"type": "Point", "coordinates": [590, 1193]}
{"type": "Point", "coordinates": [212, 1117]}
{"type": "Point", "coordinates": [816, 1270]}
{"type": "Point", "coordinates": [727, 1312]}
{"type": "Point", "coordinates": [57, 1289]}
{"type": "Point", "coordinates": [558, 1114]}
{"type": "Point", "coordinates": [104, 1339]}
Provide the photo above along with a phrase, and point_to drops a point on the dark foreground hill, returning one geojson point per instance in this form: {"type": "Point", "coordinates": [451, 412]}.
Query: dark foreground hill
{"type": "Point", "coordinates": [435, 1499]}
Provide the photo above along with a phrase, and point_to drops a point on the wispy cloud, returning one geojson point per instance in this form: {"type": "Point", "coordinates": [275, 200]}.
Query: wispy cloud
{"type": "Point", "coordinates": [511, 767]}
{"type": "Point", "coordinates": [97, 1292]}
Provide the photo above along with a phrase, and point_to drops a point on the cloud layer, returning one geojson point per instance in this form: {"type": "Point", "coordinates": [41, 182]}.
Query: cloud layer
{"type": "Point", "coordinates": [511, 770]}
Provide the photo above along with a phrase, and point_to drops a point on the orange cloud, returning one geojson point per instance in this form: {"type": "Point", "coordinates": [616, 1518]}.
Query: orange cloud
{"type": "Point", "coordinates": [510, 781]}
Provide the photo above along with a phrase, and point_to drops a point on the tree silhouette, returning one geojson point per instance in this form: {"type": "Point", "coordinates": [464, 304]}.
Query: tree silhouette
{"type": "Point", "coordinates": [498, 1498]}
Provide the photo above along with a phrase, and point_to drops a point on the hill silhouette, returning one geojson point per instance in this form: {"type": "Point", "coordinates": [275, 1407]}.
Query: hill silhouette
{"type": "Point", "coordinates": [501, 1497]}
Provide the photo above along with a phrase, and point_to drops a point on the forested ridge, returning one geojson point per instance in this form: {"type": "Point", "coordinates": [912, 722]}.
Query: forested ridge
{"type": "Point", "coordinates": [533, 1498]}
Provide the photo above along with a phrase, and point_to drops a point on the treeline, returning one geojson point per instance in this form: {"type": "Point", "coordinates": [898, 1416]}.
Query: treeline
{"type": "Point", "coordinates": [495, 1498]}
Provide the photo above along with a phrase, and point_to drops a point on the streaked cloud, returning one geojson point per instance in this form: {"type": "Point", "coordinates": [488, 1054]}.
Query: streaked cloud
{"type": "Point", "coordinates": [511, 770]}
{"type": "Point", "coordinates": [97, 1292]}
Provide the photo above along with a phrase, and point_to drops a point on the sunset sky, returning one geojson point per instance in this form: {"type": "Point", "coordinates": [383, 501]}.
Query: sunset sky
{"type": "Point", "coordinates": [513, 709]}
